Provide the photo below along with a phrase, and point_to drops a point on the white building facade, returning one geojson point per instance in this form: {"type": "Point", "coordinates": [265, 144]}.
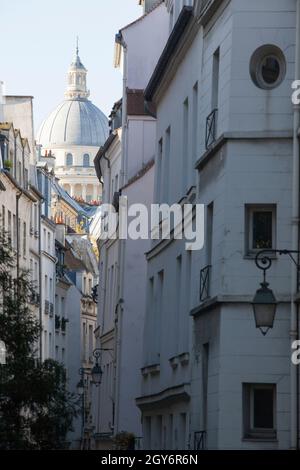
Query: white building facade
{"type": "Point", "coordinates": [210, 379]}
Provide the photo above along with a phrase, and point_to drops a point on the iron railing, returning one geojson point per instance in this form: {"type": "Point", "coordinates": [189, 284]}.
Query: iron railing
{"type": "Point", "coordinates": [47, 307]}
{"type": "Point", "coordinates": [211, 129]}
{"type": "Point", "coordinates": [200, 440]}
{"type": "Point", "coordinates": [51, 309]}
{"type": "Point", "coordinates": [205, 283]}
{"type": "Point", "coordinates": [57, 322]}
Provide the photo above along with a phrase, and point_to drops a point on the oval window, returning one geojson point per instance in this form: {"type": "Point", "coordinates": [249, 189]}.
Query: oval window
{"type": "Point", "coordinates": [268, 67]}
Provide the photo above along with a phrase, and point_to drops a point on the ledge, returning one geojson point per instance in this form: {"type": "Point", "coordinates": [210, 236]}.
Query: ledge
{"type": "Point", "coordinates": [220, 300]}
{"type": "Point", "coordinates": [227, 136]}
{"type": "Point", "coordinates": [165, 397]}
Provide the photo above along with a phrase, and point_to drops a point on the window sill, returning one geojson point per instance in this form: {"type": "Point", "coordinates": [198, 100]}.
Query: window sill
{"type": "Point", "coordinates": [260, 439]}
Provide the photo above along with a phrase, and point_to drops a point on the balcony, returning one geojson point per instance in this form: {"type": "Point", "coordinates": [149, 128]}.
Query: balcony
{"type": "Point", "coordinates": [49, 308]}
{"type": "Point", "coordinates": [200, 440]}
{"type": "Point", "coordinates": [211, 129]}
{"type": "Point", "coordinates": [57, 322]}
{"type": "Point", "coordinates": [205, 283]}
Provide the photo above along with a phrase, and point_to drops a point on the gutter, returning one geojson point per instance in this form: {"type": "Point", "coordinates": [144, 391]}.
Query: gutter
{"type": "Point", "coordinates": [170, 48]}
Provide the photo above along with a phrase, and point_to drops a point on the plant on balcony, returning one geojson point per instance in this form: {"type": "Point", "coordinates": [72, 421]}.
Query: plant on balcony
{"type": "Point", "coordinates": [36, 411]}
{"type": "Point", "coordinates": [124, 441]}
{"type": "Point", "coordinates": [7, 165]}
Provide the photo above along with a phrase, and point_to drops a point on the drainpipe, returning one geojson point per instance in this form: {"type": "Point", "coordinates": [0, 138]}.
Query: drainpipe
{"type": "Point", "coordinates": [40, 279]}
{"type": "Point", "coordinates": [121, 254]}
{"type": "Point", "coordinates": [18, 196]}
{"type": "Point", "coordinates": [295, 245]}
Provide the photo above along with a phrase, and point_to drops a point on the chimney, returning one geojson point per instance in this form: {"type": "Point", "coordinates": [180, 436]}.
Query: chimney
{"type": "Point", "coordinates": [148, 5]}
{"type": "Point", "coordinates": [60, 233]}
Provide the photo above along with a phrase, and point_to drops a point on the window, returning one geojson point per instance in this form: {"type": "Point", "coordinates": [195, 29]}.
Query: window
{"type": "Point", "coordinates": [86, 160]}
{"type": "Point", "coordinates": [205, 374]}
{"type": "Point", "coordinates": [159, 169]}
{"type": "Point", "coordinates": [14, 232]}
{"type": "Point", "coordinates": [267, 67]}
{"type": "Point", "coordinates": [215, 80]}
{"type": "Point", "coordinates": [49, 243]}
{"type": "Point", "coordinates": [69, 159]}
{"type": "Point", "coordinates": [166, 181]}
{"type": "Point", "coordinates": [195, 123]}
{"type": "Point", "coordinates": [24, 239]}
{"type": "Point", "coordinates": [259, 410]}
{"type": "Point", "coordinates": [260, 227]}
{"type": "Point", "coordinates": [46, 287]}
{"type": "Point", "coordinates": [9, 231]}
{"type": "Point", "coordinates": [185, 144]}
{"type": "Point", "coordinates": [91, 343]}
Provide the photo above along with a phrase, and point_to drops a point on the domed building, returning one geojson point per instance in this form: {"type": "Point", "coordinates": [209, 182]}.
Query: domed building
{"type": "Point", "coordinates": [71, 136]}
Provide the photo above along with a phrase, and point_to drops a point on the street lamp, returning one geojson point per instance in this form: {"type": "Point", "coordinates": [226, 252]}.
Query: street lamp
{"type": "Point", "coordinates": [80, 387]}
{"type": "Point", "coordinates": [264, 303]}
{"type": "Point", "coordinates": [96, 370]}
{"type": "Point", "coordinates": [264, 307]}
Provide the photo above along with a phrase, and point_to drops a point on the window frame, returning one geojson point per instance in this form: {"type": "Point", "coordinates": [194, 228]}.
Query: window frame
{"type": "Point", "coordinates": [69, 155]}
{"type": "Point", "coordinates": [249, 431]}
{"type": "Point", "coordinates": [250, 209]}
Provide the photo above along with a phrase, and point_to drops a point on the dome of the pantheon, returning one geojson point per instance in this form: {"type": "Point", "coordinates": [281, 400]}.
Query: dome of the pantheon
{"type": "Point", "coordinates": [75, 121]}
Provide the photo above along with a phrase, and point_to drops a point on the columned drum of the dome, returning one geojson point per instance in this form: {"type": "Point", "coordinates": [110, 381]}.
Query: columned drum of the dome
{"type": "Point", "coordinates": [72, 134]}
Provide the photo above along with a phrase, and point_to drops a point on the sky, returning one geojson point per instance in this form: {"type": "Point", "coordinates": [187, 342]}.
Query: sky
{"type": "Point", "coordinates": [38, 41]}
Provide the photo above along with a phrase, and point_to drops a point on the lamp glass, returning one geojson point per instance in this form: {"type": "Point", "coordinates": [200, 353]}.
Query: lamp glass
{"type": "Point", "coordinates": [264, 308]}
{"type": "Point", "coordinates": [97, 374]}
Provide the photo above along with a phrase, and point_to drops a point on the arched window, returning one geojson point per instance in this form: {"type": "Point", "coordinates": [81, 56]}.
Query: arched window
{"type": "Point", "coordinates": [86, 159]}
{"type": "Point", "coordinates": [69, 159]}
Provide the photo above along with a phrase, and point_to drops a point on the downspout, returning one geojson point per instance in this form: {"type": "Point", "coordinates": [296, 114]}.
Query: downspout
{"type": "Point", "coordinates": [18, 196]}
{"type": "Point", "coordinates": [295, 246]}
{"type": "Point", "coordinates": [121, 254]}
{"type": "Point", "coordinates": [40, 279]}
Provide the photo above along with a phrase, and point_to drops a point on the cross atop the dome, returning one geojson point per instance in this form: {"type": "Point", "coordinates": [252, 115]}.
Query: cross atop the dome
{"type": "Point", "coordinates": [77, 45]}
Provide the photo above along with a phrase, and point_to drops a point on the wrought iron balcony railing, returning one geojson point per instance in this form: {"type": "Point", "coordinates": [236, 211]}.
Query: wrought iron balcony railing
{"type": "Point", "coordinates": [51, 309]}
{"type": "Point", "coordinates": [57, 322]}
{"type": "Point", "coordinates": [200, 440]}
{"type": "Point", "coordinates": [205, 283]}
{"type": "Point", "coordinates": [47, 307]}
{"type": "Point", "coordinates": [211, 129]}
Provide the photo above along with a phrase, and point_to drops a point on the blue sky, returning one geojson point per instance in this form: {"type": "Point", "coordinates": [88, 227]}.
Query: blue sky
{"type": "Point", "coordinates": [38, 39]}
